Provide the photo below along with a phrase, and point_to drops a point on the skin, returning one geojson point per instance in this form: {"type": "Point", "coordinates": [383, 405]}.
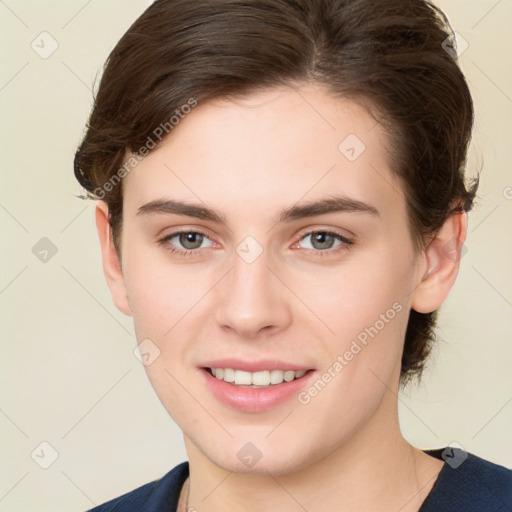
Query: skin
{"type": "Point", "coordinates": [249, 159]}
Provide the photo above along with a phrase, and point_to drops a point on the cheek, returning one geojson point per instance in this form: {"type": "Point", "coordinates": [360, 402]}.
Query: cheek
{"type": "Point", "coordinates": [160, 294]}
{"type": "Point", "coordinates": [364, 311]}
{"type": "Point", "coordinates": [351, 297]}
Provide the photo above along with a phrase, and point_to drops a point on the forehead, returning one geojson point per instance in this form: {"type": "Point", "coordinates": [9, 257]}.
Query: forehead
{"type": "Point", "coordinates": [273, 147]}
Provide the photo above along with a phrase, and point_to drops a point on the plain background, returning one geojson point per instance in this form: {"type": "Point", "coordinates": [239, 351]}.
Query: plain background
{"type": "Point", "coordinates": [68, 374]}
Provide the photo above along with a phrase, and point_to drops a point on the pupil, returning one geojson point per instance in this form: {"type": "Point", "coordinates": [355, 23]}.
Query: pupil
{"type": "Point", "coordinates": [195, 239]}
{"type": "Point", "coordinates": [323, 239]}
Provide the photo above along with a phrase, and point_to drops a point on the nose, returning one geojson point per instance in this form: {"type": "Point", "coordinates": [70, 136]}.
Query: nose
{"type": "Point", "coordinates": [252, 301]}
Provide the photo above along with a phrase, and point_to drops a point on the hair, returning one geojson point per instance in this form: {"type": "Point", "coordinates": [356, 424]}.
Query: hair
{"type": "Point", "coordinates": [396, 58]}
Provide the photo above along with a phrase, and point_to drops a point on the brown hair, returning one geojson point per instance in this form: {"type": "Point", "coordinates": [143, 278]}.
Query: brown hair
{"type": "Point", "coordinates": [395, 56]}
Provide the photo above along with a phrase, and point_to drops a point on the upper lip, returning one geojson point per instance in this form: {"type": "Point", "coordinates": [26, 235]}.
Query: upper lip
{"type": "Point", "coordinates": [254, 366]}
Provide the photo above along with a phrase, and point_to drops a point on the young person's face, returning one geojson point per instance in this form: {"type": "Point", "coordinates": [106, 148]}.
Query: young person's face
{"type": "Point", "coordinates": [259, 288]}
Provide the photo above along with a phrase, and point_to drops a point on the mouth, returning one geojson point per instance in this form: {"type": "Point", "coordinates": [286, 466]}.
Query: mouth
{"type": "Point", "coordinates": [255, 391]}
{"type": "Point", "coordinates": [256, 380]}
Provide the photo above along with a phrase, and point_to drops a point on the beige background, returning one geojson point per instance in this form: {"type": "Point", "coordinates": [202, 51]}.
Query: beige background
{"type": "Point", "coordinates": [68, 375]}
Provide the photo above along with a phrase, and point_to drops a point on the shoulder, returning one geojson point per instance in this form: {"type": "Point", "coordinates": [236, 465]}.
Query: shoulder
{"type": "Point", "coordinates": [468, 483]}
{"type": "Point", "coordinates": [161, 494]}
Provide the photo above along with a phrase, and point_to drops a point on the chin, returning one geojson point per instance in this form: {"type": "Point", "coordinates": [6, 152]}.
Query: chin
{"type": "Point", "coordinates": [248, 459]}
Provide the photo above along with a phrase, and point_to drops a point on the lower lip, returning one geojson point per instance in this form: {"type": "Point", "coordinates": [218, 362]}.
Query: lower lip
{"type": "Point", "coordinates": [255, 399]}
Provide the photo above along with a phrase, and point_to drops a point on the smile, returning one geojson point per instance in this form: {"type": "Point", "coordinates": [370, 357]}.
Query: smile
{"type": "Point", "coordinates": [256, 391]}
{"type": "Point", "coordinates": [258, 379]}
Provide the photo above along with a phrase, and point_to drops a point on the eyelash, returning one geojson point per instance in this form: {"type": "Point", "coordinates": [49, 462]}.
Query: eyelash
{"type": "Point", "coordinates": [322, 253]}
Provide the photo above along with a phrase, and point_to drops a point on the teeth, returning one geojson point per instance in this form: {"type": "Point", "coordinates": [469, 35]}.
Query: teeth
{"type": "Point", "coordinates": [262, 378]}
{"type": "Point", "coordinates": [259, 378]}
{"type": "Point", "coordinates": [242, 378]}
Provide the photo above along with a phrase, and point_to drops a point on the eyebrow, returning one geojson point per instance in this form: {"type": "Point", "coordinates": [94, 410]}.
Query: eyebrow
{"type": "Point", "coordinates": [332, 204]}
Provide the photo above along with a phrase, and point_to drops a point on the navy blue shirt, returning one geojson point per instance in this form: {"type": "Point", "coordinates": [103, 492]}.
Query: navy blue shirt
{"type": "Point", "coordinates": [466, 483]}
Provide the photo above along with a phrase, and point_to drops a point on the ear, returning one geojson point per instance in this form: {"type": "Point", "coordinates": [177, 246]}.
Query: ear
{"type": "Point", "coordinates": [440, 264]}
{"type": "Point", "coordinates": [110, 259]}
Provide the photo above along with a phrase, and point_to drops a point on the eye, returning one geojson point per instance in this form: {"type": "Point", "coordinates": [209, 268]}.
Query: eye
{"type": "Point", "coordinates": [322, 241]}
{"type": "Point", "coordinates": [191, 241]}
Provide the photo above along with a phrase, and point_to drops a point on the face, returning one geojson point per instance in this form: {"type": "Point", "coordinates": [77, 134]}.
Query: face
{"type": "Point", "coordinates": [271, 276]}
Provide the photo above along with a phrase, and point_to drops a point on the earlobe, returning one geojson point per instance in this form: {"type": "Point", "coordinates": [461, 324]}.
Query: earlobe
{"type": "Point", "coordinates": [441, 265]}
{"type": "Point", "coordinates": [110, 259]}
